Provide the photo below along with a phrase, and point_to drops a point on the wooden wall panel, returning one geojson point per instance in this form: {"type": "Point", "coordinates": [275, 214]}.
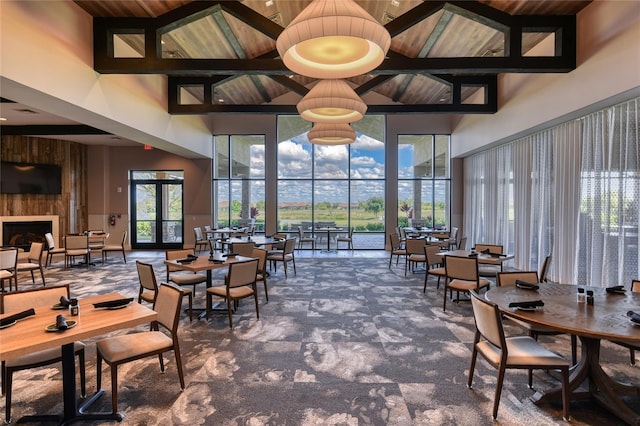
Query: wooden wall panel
{"type": "Point", "coordinates": [71, 205]}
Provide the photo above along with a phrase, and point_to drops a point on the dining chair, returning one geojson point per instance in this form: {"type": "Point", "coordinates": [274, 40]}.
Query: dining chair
{"type": "Point", "coordinates": [462, 275]}
{"type": "Point", "coordinates": [261, 255]}
{"type": "Point", "coordinates": [149, 286]}
{"type": "Point", "coordinates": [509, 279]}
{"type": "Point", "coordinates": [396, 249]}
{"type": "Point", "coordinates": [415, 254]}
{"type": "Point", "coordinates": [52, 250]}
{"type": "Point", "coordinates": [239, 283]}
{"type": "Point", "coordinates": [444, 239]}
{"type": "Point", "coordinates": [19, 301]}
{"type": "Point", "coordinates": [453, 238]}
{"type": "Point", "coordinates": [635, 287]}
{"type": "Point", "coordinates": [108, 248]}
{"type": "Point", "coordinates": [33, 262]}
{"type": "Point", "coordinates": [346, 239]}
{"type": "Point", "coordinates": [201, 243]}
{"type": "Point", "coordinates": [433, 265]}
{"type": "Point", "coordinates": [243, 248]}
{"type": "Point", "coordinates": [545, 269]}
{"type": "Point", "coordinates": [462, 244]}
{"type": "Point", "coordinates": [97, 239]}
{"type": "Point", "coordinates": [118, 350]}
{"type": "Point", "coordinates": [303, 239]}
{"type": "Point", "coordinates": [517, 352]}
{"type": "Point", "coordinates": [285, 255]}
{"type": "Point", "coordinates": [74, 246]}
{"type": "Point", "coordinates": [8, 262]}
{"type": "Point", "coordinates": [180, 276]}
{"type": "Point", "coordinates": [489, 270]}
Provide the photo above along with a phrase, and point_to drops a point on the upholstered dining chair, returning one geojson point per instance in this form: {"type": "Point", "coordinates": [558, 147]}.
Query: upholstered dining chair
{"type": "Point", "coordinates": [302, 239]}
{"type": "Point", "coordinates": [239, 283]}
{"type": "Point", "coordinates": [118, 350]}
{"type": "Point", "coordinates": [26, 299]}
{"type": "Point", "coordinates": [396, 248]}
{"type": "Point", "coordinates": [346, 239]}
{"type": "Point", "coordinates": [201, 242]}
{"type": "Point", "coordinates": [415, 254]}
{"type": "Point", "coordinates": [544, 270]}
{"type": "Point", "coordinates": [285, 255]}
{"type": "Point", "coordinates": [52, 250]}
{"type": "Point", "coordinates": [148, 284]}
{"type": "Point", "coordinates": [489, 270]}
{"type": "Point", "coordinates": [243, 249]}
{"type": "Point", "coordinates": [179, 276]}
{"type": "Point", "coordinates": [509, 279]}
{"type": "Point", "coordinates": [108, 248]}
{"type": "Point", "coordinates": [8, 262]}
{"type": "Point", "coordinates": [635, 287]}
{"type": "Point", "coordinates": [434, 265]}
{"type": "Point", "coordinates": [462, 244]}
{"type": "Point", "coordinates": [261, 255]}
{"type": "Point", "coordinates": [518, 352]}
{"type": "Point", "coordinates": [75, 246]}
{"type": "Point", "coordinates": [462, 276]}
{"type": "Point", "coordinates": [32, 263]}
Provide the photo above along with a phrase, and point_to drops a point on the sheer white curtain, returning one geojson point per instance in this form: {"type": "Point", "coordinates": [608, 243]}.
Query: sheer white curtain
{"type": "Point", "coordinates": [574, 191]}
{"type": "Point", "coordinates": [610, 197]}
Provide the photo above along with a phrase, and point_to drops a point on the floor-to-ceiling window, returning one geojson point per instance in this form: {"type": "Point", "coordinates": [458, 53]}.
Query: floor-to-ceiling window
{"type": "Point", "coordinates": [424, 180]}
{"type": "Point", "coordinates": [238, 181]}
{"type": "Point", "coordinates": [332, 185]}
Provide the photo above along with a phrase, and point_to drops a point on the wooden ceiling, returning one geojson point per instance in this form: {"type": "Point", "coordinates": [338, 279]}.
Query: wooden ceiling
{"type": "Point", "coordinates": [220, 55]}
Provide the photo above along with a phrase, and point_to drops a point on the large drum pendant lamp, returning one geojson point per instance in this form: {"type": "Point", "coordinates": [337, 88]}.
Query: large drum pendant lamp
{"type": "Point", "coordinates": [331, 134]}
{"type": "Point", "coordinates": [332, 101]}
{"type": "Point", "coordinates": [333, 39]}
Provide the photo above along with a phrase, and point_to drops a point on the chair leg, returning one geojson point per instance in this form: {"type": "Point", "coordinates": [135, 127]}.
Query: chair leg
{"type": "Point", "coordinates": [190, 307]}
{"type": "Point", "coordinates": [472, 368]}
{"type": "Point", "coordinates": [632, 355]}
{"type": "Point", "coordinates": [496, 401]}
{"type": "Point", "coordinates": [574, 349]}
{"type": "Point", "coordinates": [565, 394]}
{"type": "Point", "coordinates": [8, 383]}
{"type": "Point", "coordinates": [444, 302]}
{"type": "Point", "coordinates": [176, 352]}
{"type": "Point", "coordinates": [229, 312]}
{"type": "Point", "coordinates": [83, 376]}
{"type": "Point", "coordinates": [114, 388]}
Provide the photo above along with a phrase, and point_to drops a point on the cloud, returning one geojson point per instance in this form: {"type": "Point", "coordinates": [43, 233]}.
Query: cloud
{"type": "Point", "coordinates": [365, 142]}
{"type": "Point", "coordinates": [290, 151]}
{"type": "Point", "coordinates": [363, 161]}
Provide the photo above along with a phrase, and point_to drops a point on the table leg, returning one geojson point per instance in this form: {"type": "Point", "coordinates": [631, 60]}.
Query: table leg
{"type": "Point", "coordinates": [601, 387]}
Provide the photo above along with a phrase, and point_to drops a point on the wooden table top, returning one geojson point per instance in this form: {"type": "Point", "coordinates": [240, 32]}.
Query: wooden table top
{"type": "Point", "coordinates": [482, 258]}
{"type": "Point", "coordinates": [29, 335]}
{"type": "Point", "coordinates": [202, 263]}
{"type": "Point", "coordinates": [605, 319]}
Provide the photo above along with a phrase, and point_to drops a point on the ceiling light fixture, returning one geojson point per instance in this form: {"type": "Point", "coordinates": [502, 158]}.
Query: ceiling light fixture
{"type": "Point", "coordinates": [332, 101]}
{"type": "Point", "coordinates": [333, 39]}
{"type": "Point", "coordinates": [331, 134]}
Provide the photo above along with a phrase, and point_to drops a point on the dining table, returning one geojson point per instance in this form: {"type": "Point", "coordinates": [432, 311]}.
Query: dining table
{"type": "Point", "coordinates": [329, 230]}
{"type": "Point", "coordinates": [605, 319]}
{"type": "Point", "coordinates": [35, 333]}
{"type": "Point", "coordinates": [484, 258]}
{"type": "Point", "coordinates": [257, 240]}
{"type": "Point", "coordinates": [208, 264]}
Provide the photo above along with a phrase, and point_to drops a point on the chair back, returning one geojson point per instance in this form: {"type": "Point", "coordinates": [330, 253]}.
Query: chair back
{"type": "Point", "coordinates": [488, 320]}
{"type": "Point", "coordinates": [243, 249]}
{"type": "Point", "coordinates": [261, 255]}
{"type": "Point", "coordinates": [76, 242]}
{"type": "Point", "coordinates": [289, 246]}
{"type": "Point", "coordinates": [510, 278]}
{"type": "Point", "coordinates": [545, 269]}
{"type": "Point", "coordinates": [8, 258]}
{"type": "Point", "coordinates": [124, 239]}
{"type": "Point", "coordinates": [493, 248]}
{"type": "Point", "coordinates": [147, 278]}
{"type": "Point", "coordinates": [35, 252]}
{"type": "Point", "coordinates": [394, 241]}
{"type": "Point", "coordinates": [635, 286]}
{"type": "Point", "coordinates": [176, 254]}
{"type": "Point", "coordinates": [242, 273]}
{"type": "Point", "coordinates": [300, 232]}
{"type": "Point", "coordinates": [198, 233]}
{"type": "Point", "coordinates": [351, 231]}
{"type": "Point", "coordinates": [51, 244]}
{"type": "Point", "coordinates": [454, 234]}
{"type": "Point", "coordinates": [414, 246]}
{"type": "Point", "coordinates": [441, 235]}
{"type": "Point", "coordinates": [462, 244]}
{"type": "Point", "coordinates": [431, 254]}
{"type": "Point", "coordinates": [461, 268]}
{"type": "Point", "coordinates": [168, 304]}
{"type": "Point", "coordinates": [18, 301]}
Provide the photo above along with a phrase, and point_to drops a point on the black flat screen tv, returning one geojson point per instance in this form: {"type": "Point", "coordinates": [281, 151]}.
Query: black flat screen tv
{"type": "Point", "coordinates": [28, 178]}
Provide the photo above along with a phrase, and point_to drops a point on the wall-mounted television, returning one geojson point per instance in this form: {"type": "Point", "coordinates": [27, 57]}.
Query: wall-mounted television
{"type": "Point", "coordinates": [29, 178]}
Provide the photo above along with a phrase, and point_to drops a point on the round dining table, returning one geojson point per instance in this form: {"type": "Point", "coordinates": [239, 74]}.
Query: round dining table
{"type": "Point", "coordinates": [605, 319]}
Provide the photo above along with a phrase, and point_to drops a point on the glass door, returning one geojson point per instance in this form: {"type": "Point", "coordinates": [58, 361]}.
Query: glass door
{"type": "Point", "coordinates": [157, 210]}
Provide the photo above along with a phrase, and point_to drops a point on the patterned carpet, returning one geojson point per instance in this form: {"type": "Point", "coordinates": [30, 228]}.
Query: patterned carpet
{"type": "Point", "coordinates": [346, 341]}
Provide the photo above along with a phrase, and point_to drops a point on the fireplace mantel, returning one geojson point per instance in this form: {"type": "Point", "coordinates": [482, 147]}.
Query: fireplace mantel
{"type": "Point", "coordinates": [55, 225]}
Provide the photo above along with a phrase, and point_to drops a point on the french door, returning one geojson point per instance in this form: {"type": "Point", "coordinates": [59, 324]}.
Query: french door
{"type": "Point", "coordinates": [157, 210]}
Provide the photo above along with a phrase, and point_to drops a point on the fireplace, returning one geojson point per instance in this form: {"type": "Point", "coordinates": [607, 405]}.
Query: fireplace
{"type": "Point", "coordinates": [21, 231]}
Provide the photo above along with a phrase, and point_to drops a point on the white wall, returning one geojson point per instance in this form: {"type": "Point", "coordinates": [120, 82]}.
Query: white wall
{"type": "Point", "coordinates": [46, 62]}
{"type": "Point", "coordinates": [608, 71]}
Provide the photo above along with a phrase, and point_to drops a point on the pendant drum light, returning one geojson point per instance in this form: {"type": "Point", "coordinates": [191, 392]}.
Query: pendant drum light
{"type": "Point", "coordinates": [333, 39]}
{"type": "Point", "coordinates": [331, 134]}
{"type": "Point", "coordinates": [332, 101]}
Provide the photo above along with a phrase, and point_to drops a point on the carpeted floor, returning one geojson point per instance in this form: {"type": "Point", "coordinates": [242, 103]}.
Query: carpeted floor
{"type": "Point", "coordinates": [346, 341]}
